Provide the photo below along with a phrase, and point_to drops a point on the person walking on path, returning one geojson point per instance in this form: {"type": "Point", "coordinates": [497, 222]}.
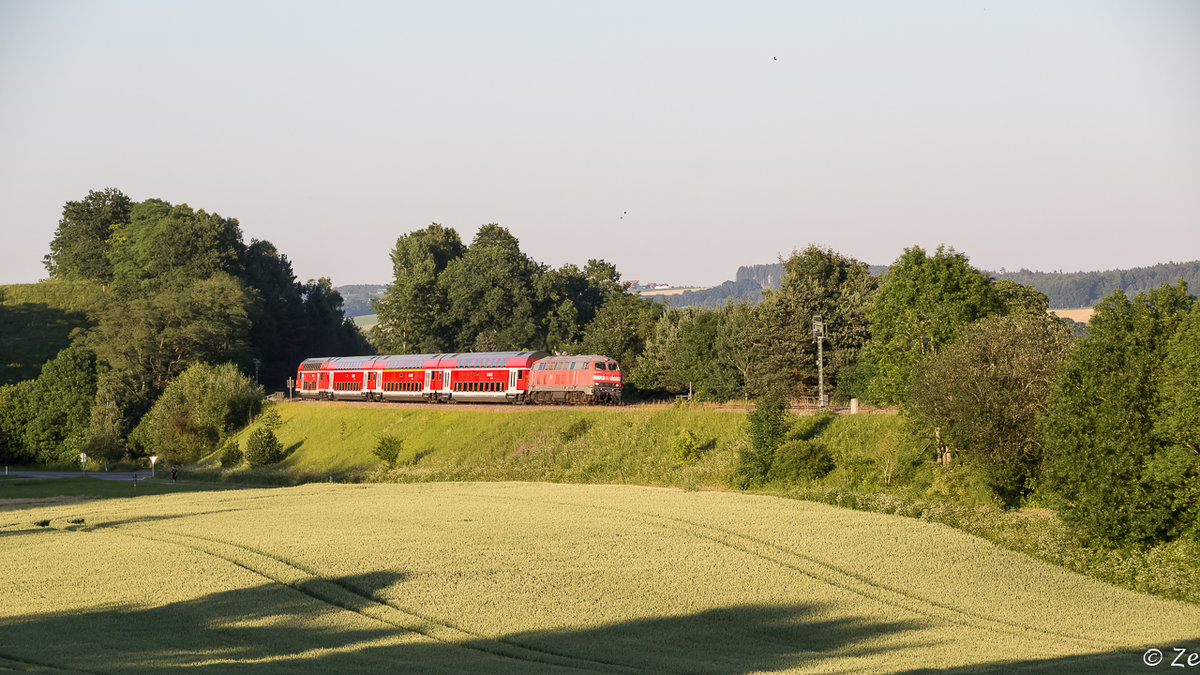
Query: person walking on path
{"type": "Point", "coordinates": [174, 473]}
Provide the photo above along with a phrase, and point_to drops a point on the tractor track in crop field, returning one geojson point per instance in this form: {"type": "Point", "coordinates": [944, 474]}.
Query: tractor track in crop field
{"type": "Point", "coordinates": [9, 662]}
{"type": "Point", "coordinates": [825, 572]}
{"type": "Point", "coordinates": [345, 597]}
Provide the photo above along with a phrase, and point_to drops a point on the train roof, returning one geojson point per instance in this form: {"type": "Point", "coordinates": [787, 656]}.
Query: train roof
{"type": "Point", "coordinates": [446, 360]}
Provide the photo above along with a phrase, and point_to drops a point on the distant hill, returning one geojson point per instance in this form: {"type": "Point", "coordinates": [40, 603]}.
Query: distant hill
{"type": "Point", "coordinates": [36, 321]}
{"type": "Point", "coordinates": [1065, 289]}
{"type": "Point", "coordinates": [769, 276]}
{"type": "Point", "coordinates": [356, 298]}
{"type": "Point", "coordinates": [710, 298]}
{"type": "Point", "coordinates": [1085, 289]}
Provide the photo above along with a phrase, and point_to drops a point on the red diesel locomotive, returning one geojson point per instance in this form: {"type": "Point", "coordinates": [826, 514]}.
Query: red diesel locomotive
{"type": "Point", "coordinates": [496, 377]}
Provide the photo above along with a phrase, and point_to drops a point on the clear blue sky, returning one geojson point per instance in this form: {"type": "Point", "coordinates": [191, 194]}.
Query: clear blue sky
{"type": "Point", "coordinates": [1043, 134]}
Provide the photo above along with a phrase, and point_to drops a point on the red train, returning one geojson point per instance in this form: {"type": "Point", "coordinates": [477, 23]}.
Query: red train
{"type": "Point", "coordinates": [497, 377]}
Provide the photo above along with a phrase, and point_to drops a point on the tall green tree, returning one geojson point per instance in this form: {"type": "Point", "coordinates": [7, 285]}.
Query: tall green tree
{"type": "Point", "coordinates": [79, 250]}
{"type": "Point", "coordinates": [149, 340]}
{"type": "Point", "coordinates": [986, 393]}
{"type": "Point", "coordinates": [60, 402]}
{"type": "Point", "coordinates": [620, 329]}
{"type": "Point", "coordinates": [412, 311]}
{"type": "Point", "coordinates": [1112, 462]}
{"type": "Point", "coordinates": [279, 325]}
{"type": "Point", "coordinates": [1021, 299]}
{"type": "Point", "coordinates": [492, 295]}
{"type": "Point", "coordinates": [171, 246]}
{"type": "Point", "coordinates": [657, 368]}
{"type": "Point", "coordinates": [570, 298]}
{"type": "Point", "coordinates": [740, 346]}
{"type": "Point", "coordinates": [816, 282]}
{"type": "Point", "coordinates": [15, 415]}
{"type": "Point", "coordinates": [329, 332]}
{"type": "Point", "coordinates": [923, 302]}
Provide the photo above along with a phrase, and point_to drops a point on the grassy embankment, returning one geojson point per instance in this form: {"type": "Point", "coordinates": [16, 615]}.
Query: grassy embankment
{"type": "Point", "coordinates": [36, 321]}
{"type": "Point", "coordinates": [520, 577]}
{"type": "Point", "coordinates": [880, 465]}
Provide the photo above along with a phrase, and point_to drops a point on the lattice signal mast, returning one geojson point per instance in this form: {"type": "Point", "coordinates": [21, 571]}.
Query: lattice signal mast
{"type": "Point", "coordinates": [819, 338]}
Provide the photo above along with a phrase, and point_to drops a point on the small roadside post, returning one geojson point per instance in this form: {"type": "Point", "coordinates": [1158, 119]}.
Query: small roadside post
{"type": "Point", "coordinates": [153, 459]}
{"type": "Point", "coordinates": [83, 462]}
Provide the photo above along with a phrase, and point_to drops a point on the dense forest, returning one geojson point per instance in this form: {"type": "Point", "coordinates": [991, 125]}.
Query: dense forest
{"type": "Point", "coordinates": [1069, 290]}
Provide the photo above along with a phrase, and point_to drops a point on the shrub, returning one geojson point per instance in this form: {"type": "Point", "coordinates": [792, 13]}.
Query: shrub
{"type": "Point", "coordinates": [269, 418]}
{"type": "Point", "coordinates": [575, 430]}
{"type": "Point", "coordinates": [263, 448]}
{"type": "Point", "coordinates": [800, 460]}
{"type": "Point", "coordinates": [685, 447]}
{"type": "Point", "coordinates": [767, 426]}
{"type": "Point", "coordinates": [195, 411]}
{"type": "Point", "coordinates": [231, 455]}
{"type": "Point", "coordinates": [388, 448]}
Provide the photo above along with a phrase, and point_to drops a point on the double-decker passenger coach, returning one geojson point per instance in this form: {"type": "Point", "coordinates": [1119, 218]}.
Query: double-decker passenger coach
{"type": "Point", "coordinates": [498, 377]}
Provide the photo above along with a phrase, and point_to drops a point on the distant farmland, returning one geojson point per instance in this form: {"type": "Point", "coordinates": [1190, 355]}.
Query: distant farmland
{"type": "Point", "coordinates": [520, 577]}
{"type": "Point", "coordinates": [1080, 315]}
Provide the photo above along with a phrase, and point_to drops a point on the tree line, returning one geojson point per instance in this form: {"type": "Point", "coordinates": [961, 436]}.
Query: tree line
{"type": "Point", "coordinates": [180, 288]}
{"type": "Point", "coordinates": [1064, 290]}
{"type": "Point", "coordinates": [1100, 426]}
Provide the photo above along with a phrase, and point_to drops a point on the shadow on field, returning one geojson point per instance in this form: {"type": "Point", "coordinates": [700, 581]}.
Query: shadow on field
{"type": "Point", "coordinates": [1119, 661]}
{"type": "Point", "coordinates": [343, 624]}
{"type": "Point", "coordinates": [283, 628]}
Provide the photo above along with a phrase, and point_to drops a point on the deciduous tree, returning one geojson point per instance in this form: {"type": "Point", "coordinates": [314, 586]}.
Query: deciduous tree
{"type": "Point", "coordinates": [1112, 463]}
{"type": "Point", "coordinates": [820, 282]}
{"type": "Point", "coordinates": [922, 303]}
{"type": "Point", "coordinates": [412, 311]}
{"type": "Point", "coordinates": [80, 246]}
{"type": "Point", "coordinates": [986, 392]}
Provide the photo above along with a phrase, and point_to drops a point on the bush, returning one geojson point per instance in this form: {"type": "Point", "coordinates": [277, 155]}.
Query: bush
{"type": "Point", "coordinates": [269, 418]}
{"type": "Point", "coordinates": [195, 411]}
{"type": "Point", "coordinates": [767, 426]}
{"type": "Point", "coordinates": [388, 448]}
{"type": "Point", "coordinates": [232, 455]}
{"type": "Point", "coordinates": [575, 430]}
{"type": "Point", "coordinates": [263, 448]}
{"type": "Point", "coordinates": [800, 460]}
{"type": "Point", "coordinates": [685, 447]}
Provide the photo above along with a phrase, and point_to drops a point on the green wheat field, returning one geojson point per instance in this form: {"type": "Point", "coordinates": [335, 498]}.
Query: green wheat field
{"type": "Point", "coordinates": [530, 577]}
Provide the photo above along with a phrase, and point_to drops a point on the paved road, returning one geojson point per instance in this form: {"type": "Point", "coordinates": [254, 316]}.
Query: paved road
{"type": "Point", "coordinates": [102, 475]}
